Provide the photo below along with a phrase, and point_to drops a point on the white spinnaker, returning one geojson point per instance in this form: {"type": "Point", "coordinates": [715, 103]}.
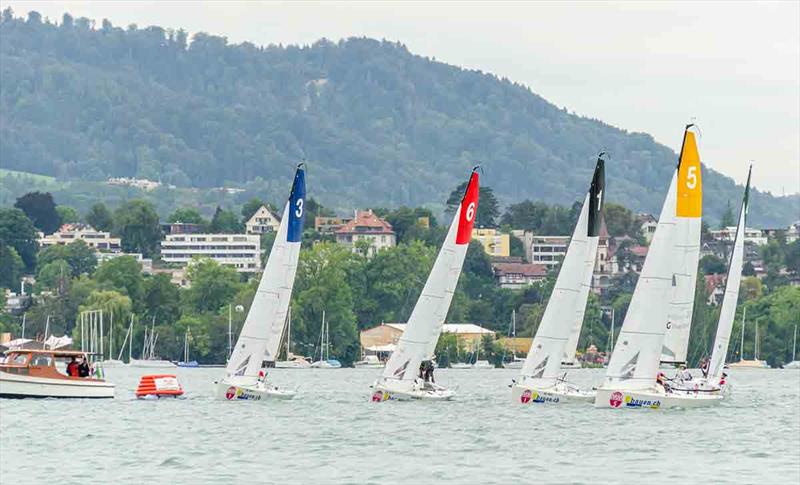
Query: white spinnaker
{"type": "Point", "coordinates": [583, 296]}
{"type": "Point", "coordinates": [418, 341]}
{"type": "Point", "coordinates": [261, 334]}
{"type": "Point", "coordinates": [558, 322]}
{"type": "Point", "coordinates": [685, 257]}
{"type": "Point", "coordinates": [729, 300]}
{"type": "Point", "coordinates": [634, 363]}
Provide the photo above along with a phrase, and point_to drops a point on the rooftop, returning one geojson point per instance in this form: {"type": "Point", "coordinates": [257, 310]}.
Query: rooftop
{"type": "Point", "coordinates": [366, 222]}
{"type": "Point", "coordinates": [525, 269]}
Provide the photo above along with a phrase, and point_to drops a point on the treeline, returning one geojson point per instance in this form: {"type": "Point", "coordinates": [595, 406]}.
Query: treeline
{"type": "Point", "coordinates": [84, 101]}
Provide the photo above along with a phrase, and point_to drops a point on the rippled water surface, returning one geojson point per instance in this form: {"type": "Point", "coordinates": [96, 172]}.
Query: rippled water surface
{"type": "Point", "coordinates": [332, 433]}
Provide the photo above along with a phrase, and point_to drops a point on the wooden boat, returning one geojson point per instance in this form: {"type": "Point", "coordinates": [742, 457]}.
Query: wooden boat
{"type": "Point", "coordinates": [33, 373]}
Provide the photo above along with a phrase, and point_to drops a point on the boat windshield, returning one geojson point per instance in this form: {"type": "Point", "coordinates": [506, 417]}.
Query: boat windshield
{"type": "Point", "coordinates": [20, 359]}
{"type": "Point", "coordinates": [42, 360]}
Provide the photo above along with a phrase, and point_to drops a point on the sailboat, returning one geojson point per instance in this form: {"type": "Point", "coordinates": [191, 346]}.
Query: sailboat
{"type": "Point", "coordinates": [292, 361]}
{"type": "Point", "coordinates": [111, 362]}
{"type": "Point", "coordinates": [260, 337]}
{"type": "Point", "coordinates": [325, 361]}
{"type": "Point", "coordinates": [400, 378]}
{"type": "Point", "coordinates": [713, 381]}
{"type": "Point", "coordinates": [540, 380]}
{"type": "Point", "coordinates": [516, 362]}
{"type": "Point", "coordinates": [754, 363]}
{"type": "Point", "coordinates": [794, 364]}
{"type": "Point", "coordinates": [186, 362]}
{"type": "Point", "coordinates": [149, 359]}
{"type": "Point", "coordinates": [631, 376]}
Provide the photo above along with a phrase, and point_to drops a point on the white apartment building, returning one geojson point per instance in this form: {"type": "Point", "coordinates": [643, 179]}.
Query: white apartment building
{"type": "Point", "coordinates": [67, 233]}
{"type": "Point", "coordinates": [242, 251]}
{"type": "Point", "coordinates": [548, 250]}
{"type": "Point", "coordinates": [147, 263]}
{"type": "Point", "coordinates": [753, 236]}
{"type": "Point", "coordinates": [263, 221]}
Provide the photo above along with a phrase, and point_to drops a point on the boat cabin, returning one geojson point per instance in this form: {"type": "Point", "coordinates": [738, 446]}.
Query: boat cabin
{"type": "Point", "coordinates": [41, 363]}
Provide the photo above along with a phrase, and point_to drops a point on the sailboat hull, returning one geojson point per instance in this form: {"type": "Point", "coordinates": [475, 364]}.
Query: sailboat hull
{"type": "Point", "coordinates": [653, 399]}
{"type": "Point", "coordinates": [227, 391]}
{"type": "Point", "coordinates": [557, 394]}
{"type": "Point", "coordinates": [420, 392]}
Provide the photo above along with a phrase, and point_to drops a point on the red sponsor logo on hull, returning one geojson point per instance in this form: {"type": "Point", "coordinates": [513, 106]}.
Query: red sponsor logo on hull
{"type": "Point", "coordinates": [616, 400]}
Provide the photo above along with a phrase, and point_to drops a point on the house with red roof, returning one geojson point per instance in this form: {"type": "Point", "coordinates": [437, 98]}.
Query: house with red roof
{"type": "Point", "coordinates": [366, 232]}
{"type": "Point", "coordinates": [515, 276]}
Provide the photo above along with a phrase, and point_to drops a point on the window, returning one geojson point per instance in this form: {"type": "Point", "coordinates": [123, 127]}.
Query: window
{"type": "Point", "coordinates": [41, 360]}
{"type": "Point", "coordinates": [20, 359]}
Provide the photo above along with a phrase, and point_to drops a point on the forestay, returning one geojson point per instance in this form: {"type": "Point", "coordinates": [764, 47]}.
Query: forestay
{"type": "Point", "coordinates": [418, 341]}
{"type": "Point", "coordinates": [685, 254]}
{"type": "Point", "coordinates": [261, 334]}
{"type": "Point", "coordinates": [634, 363]}
{"type": "Point", "coordinates": [563, 318]}
{"type": "Point", "coordinates": [731, 297]}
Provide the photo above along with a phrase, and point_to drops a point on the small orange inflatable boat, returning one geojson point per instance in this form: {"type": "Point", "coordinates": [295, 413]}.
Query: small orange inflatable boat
{"type": "Point", "coordinates": [158, 386]}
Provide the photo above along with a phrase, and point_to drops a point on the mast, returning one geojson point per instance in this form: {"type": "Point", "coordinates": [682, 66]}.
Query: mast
{"type": "Point", "coordinates": [111, 335]}
{"type": "Point", "coordinates": [794, 344]}
{"type": "Point", "coordinates": [744, 322]}
{"type": "Point", "coordinates": [755, 342]}
{"type": "Point", "coordinates": [130, 339]}
{"type": "Point", "coordinates": [230, 333]}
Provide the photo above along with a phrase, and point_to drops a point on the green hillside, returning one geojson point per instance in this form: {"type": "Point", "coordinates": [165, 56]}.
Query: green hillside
{"type": "Point", "coordinates": [377, 124]}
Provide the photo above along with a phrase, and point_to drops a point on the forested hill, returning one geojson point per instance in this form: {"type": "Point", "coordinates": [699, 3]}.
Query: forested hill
{"type": "Point", "coordinates": [378, 125]}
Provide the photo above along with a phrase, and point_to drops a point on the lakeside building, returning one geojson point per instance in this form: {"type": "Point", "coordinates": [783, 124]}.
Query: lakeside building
{"type": "Point", "coordinates": [648, 225]}
{"type": "Point", "coordinates": [515, 276]}
{"type": "Point", "coordinates": [548, 250]}
{"type": "Point", "coordinates": [494, 243]}
{"type": "Point", "coordinates": [67, 233]}
{"type": "Point", "coordinates": [181, 228]}
{"type": "Point", "coordinates": [329, 225]}
{"type": "Point", "coordinates": [367, 227]}
{"type": "Point", "coordinates": [728, 234]}
{"type": "Point", "coordinates": [242, 251]}
{"type": "Point", "coordinates": [262, 222]}
{"type": "Point", "coordinates": [384, 337]}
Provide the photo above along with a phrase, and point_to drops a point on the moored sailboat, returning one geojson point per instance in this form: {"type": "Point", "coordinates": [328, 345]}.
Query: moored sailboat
{"type": "Point", "coordinates": [631, 376]}
{"type": "Point", "coordinates": [260, 337]}
{"type": "Point", "coordinates": [415, 348]}
{"type": "Point", "coordinates": [540, 380]}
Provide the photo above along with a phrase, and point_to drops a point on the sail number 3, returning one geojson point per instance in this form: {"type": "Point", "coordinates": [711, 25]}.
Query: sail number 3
{"type": "Point", "coordinates": [299, 212]}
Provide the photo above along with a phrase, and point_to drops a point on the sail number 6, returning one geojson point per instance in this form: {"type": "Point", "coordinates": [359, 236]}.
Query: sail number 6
{"type": "Point", "coordinates": [299, 211]}
{"type": "Point", "coordinates": [470, 211]}
{"type": "Point", "coordinates": [691, 177]}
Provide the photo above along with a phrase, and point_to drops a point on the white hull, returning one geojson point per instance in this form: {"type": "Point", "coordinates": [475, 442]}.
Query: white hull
{"type": "Point", "coordinates": [418, 391]}
{"type": "Point", "coordinates": [482, 364]}
{"type": "Point", "coordinates": [152, 364]}
{"type": "Point", "coordinates": [795, 364]}
{"type": "Point", "coordinates": [749, 364]}
{"type": "Point", "coordinates": [368, 365]}
{"type": "Point", "coordinates": [513, 365]}
{"type": "Point", "coordinates": [571, 365]}
{"type": "Point", "coordinates": [653, 399]}
{"type": "Point", "coordinates": [259, 391]}
{"type": "Point", "coordinates": [460, 365]}
{"type": "Point", "coordinates": [13, 385]}
{"type": "Point", "coordinates": [112, 363]}
{"type": "Point", "coordinates": [322, 364]}
{"type": "Point", "coordinates": [557, 394]}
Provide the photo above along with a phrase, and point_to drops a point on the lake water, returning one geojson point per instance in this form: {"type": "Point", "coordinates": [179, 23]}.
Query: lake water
{"type": "Point", "coordinates": [331, 433]}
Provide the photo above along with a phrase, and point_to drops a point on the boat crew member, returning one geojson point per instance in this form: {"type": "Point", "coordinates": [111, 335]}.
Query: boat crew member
{"type": "Point", "coordinates": [661, 379]}
{"type": "Point", "coordinates": [429, 371]}
{"type": "Point", "coordinates": [72, 368]}
{"type": "Point", "coordinates": [684, 374]}
{"type": "Point", "coordinates": [704, 366]}
{"type": "Point", "coordinates": [83, 368]}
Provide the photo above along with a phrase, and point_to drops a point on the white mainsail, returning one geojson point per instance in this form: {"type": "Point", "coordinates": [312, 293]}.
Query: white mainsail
{"type": "Point", "coordinates": [731, 297]}
{"type": "Point", "coordinates": [563, 318]}
{"type": "Point", "coordinates": [260, 337]}
{"type": "Point", "coordinates": [635, 361]}
{"type": "Point", "coordinates": [421, 334]}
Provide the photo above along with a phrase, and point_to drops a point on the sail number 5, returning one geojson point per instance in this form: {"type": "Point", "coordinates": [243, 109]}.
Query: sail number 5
{"type": "Point", "coordinates": [470, 211]}
{"type": "Point", "coordinates": [691, 177]}
{"type": "Point", "coordinates": [299, 212]}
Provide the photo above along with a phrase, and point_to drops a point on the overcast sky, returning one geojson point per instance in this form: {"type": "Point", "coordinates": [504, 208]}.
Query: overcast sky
{"type": "Point", "coordinates": [733, 67]}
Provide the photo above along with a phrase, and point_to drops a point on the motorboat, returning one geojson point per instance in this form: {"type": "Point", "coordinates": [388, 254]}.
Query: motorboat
{"type": "Point", "coordinates": [190, 364]}
{"type": "Point", "coordinates": [482, 364]}
{"type": "Point", "coordinates": [749, 364]}
{"type": "Point", "coordinates": [33, 373]}
{"type": "Point", "coordinates": [369, 362]}
{"type": "Point", "coordinates": [326, 364]}
{"type": "Point", "coordinates": [296, 362]}
{"type": "Point", "coordinates": [516, 363]}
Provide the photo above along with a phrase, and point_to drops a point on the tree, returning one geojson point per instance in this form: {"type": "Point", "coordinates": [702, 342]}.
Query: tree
{"type": "Point", "coordinates": [11, 267]}
{"type": "Point", "coordinates": [161, 299]}
{"type": "Point", "coordinates": [54, 275]}
{"type": "Point", "coordinates": [225, 222]}
{"type": "Point", "coordinates": [122, 273]}
{"type": "Point", "coordinates": [727, 219]}
{"type": "Point", "coordinates": [137, 224]}
{"type": "Point", "coordinates": [488, 206]}
{"type": "Point", "coordinates": [17, 231]}
{"type": "Point", "coordinates": [517, 247]}
{"type": "Point", "coordinates": [711, 264]}
{"type": "Point", "coordinates": [213, 284]}
{"type": "Point", "coordinates": [100, 217]}
{"type": "Point", "coordinates": [251, 207]}
{"type": "Point", "coordinates": [41, 210]}
{"type": "Point", "coordinates": [67, 215]}
{"type": "Point", "coordinates": [187, 215]}
{"type": "Point", "coordinates": [620, 221]}
{"type": "Point", "coordinates": [79, 256]}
